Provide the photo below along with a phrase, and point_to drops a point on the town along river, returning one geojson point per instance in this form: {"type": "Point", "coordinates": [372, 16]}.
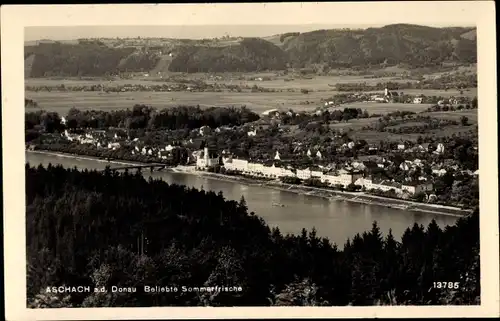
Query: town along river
{"type": "Point", "coordinates": [335, 219]}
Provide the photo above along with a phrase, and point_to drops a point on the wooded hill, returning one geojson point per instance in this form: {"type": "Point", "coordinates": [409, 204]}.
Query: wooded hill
{"type": "Point", "coordinates": [413, 45]}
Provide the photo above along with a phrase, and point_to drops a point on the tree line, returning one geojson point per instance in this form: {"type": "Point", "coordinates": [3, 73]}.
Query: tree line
{"type": "Point", "coordinates": [142, 117]}
{"type": "Point", "coordinates": [103, 228]}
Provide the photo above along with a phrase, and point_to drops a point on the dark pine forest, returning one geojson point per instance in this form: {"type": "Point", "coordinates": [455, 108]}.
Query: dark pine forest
{"type": "Point", "coordinates": [86, 227]}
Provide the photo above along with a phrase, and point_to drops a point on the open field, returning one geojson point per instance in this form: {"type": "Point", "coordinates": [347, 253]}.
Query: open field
{"type": "Point", "coordinates": [63, 101]}
{"type": "Point", "coordinates": [409, 124]}
{"type": "Point", "coordinates": [320, 89]}
{"type": "Point", "coordinates": [50, 82]}
{"type": "Point", "coordinates": [372, 136]}
{"type": "Point", "coordinates": [383, 108]}
{"type": "Point", "coordinates": [322, 85]}
{"type": "Point", "coordinates": [470, 92]}
{"type": "Point", "coordinates": [259, 102]}
{"type": "Point", "coordinates": [317, 83]}
{"type": "Point", "coordinates": [455, 115]}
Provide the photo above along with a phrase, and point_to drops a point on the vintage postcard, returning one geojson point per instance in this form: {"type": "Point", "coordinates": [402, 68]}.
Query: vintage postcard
{"type": "Point", "coordinates": [250, 160]}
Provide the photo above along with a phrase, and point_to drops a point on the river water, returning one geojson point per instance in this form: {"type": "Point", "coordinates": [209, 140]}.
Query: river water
{"type": "Point", "coordinates": [337, 219]}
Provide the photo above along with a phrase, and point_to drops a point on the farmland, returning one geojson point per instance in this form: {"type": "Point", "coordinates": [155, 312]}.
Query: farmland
{"type": "Point", "coordinates": [382, 108]}
{"type": "Point", "coordinates": [316, 83]}
{"type": "Point", "coordinates": [373, 136]}
{"type": "Point", "coordinates": [61, 102]}
{"type": "Point", "coordinates": [319, 87]}
{"type": "Point", "coordinates": [455, 115]}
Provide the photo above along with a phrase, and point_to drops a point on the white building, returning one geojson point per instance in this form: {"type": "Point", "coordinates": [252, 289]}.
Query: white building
{"type": "Point", "coordinates": [416, 188]}
{"type": "Point", "coordinates": [417, 100]}
{"type": "Point", "coordinates": [304, 173]}
{"type": "Point", "coordinates": [318, 154]}
{"type": "Point", "coordinates": [316, 174]}
{"type": "Point", "coordinates": [343, 178]}
{"type": "Point", "coordinates": [206, 160]}
{"type": "Point", "coordinates": [277, 156]}
{"type": "Point", "coordinates": [255, 168]}
{"type": "Point", "coordinates": [384, 185]}
{"type": "Point", "coordinates": [240, 165]}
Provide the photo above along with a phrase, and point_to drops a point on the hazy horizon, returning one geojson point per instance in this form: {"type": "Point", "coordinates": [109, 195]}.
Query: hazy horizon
{"type": "Point", "coordinates": [65, 33]}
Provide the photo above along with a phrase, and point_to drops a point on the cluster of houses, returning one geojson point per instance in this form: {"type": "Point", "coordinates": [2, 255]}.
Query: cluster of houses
{"type": "Point", "coordinates": [391, 96]}
{"type": "Point", "coordinates": [100, 139]}
{"type": "Point", "coordinates": [412, 188]}
{"type": "Point", "coordinates": [350, 174]}
{"type": "Point", "coordinates": [355, 172]}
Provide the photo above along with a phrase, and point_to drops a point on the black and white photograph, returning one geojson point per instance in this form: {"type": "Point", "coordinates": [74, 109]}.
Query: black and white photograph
{"type": "Point", "coordinates": [247, 156]}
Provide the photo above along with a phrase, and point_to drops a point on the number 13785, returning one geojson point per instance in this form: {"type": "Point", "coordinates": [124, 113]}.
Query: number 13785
{"type": "Point", "coordinates": [446, 285]}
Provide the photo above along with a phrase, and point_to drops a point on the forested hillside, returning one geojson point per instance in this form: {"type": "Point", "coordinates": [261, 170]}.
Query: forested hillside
{"type": "Point", "coordinates": [104, 229]}
{"type": "Point", "coordinates": [413, 45]}
{"type": "Point", "coordinates": [84, 59]}
{"type": "Point", "coordinates": [251, 54]}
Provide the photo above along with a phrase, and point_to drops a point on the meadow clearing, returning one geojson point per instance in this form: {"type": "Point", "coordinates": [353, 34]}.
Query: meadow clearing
{"type": "Point", "coordinates": [373, 136]}
{"type": "Point", "coordinates": [61, 102]}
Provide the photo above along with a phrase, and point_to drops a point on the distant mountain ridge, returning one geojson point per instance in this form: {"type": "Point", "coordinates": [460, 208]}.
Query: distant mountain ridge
{"type": "Point", "coordinates": [414, 45]}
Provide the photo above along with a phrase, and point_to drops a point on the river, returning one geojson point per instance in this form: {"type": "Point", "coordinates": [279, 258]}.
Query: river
{"type": "Point", "coordinates": [336, 220]}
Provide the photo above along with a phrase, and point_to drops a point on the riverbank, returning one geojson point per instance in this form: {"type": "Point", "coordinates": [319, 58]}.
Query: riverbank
{"type": "Point", "coordinates": [329, 194]}
{"type": "Point", "coordinates": [356, 197]}
{"type": "Point", "coordinates": [92, 158]}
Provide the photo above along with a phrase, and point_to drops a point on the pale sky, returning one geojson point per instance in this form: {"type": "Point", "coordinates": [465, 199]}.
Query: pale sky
{"type": "Point", "coordinates": [186, 32]}
{"type": "Point", "coordinates": [195, 21]}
